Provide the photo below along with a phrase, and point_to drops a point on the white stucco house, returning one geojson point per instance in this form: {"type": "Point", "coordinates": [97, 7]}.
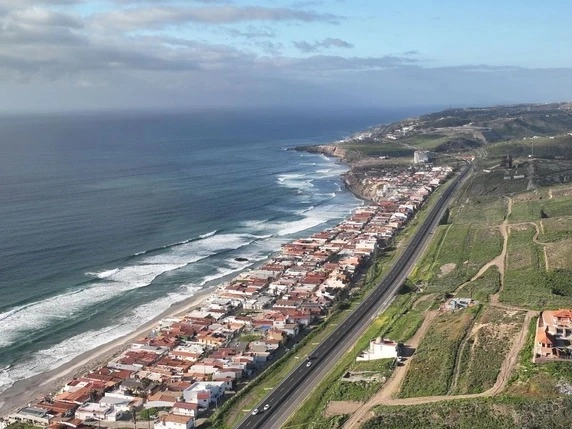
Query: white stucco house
{"type": "Point", "coordinates": [380, 349]}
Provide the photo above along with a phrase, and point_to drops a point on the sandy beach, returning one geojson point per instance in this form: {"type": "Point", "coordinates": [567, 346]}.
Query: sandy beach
{"type": "Point", "coordinates": [40, 385]}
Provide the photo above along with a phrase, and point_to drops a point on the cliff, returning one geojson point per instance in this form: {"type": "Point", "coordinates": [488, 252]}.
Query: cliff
{"type": "Point", "coordinates": [348, 156]}
{"type": "Point", "coordinates": [357, 187]}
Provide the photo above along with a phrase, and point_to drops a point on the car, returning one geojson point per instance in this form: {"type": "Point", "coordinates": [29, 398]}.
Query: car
{"type": "Point", "coordinates": [255, 411]}
{"type": "Point", "coordinates": [309, 363]}
{"type": "Point", "coordinates": [266, 407]}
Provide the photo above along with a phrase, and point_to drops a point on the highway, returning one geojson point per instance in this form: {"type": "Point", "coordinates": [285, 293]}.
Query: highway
{"type": "Point", "coordinates": [285, 398]}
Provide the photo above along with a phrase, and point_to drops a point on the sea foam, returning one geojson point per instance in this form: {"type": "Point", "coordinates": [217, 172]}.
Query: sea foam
{"type": "Point", "coordinates": [57, 355]}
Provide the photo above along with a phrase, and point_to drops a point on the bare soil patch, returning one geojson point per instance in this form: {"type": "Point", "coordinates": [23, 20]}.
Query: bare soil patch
{"type": "Point", "coordinates": [446, 269]}
{"type": "Point", "coordinates": [336, 408]}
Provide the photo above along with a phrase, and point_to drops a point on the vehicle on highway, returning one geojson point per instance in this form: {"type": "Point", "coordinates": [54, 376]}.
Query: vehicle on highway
{"type": "Point", "coordinates": [309, 363]}
{"type": "Point", "coordinates": [255, 411]}
{"type": "Point", "coordinates": [266, 407]}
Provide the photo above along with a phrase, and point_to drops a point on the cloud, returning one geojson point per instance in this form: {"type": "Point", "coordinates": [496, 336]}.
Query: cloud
{"type": "Point", "coordinates": [160, 17]}
{"type": "Point", "coordinates": [38, 27]}
{"type": "Point", "coordinates": [252, 32]}
{"type": "Point", "coordinates": [328, 43]}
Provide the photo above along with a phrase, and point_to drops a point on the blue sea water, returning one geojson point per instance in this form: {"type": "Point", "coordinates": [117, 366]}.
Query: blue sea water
{"type": "Point", "coordinates": [107, 219]}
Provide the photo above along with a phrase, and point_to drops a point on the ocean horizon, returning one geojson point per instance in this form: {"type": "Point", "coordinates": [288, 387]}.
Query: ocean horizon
{"type": "Point", "coordinates": [110, 218]}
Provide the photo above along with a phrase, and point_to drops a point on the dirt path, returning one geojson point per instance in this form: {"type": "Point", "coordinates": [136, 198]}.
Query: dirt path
{"type": "Point", "coordinates": [457, 369]}
{"type": "Point", "coordinates": [384, 397]}
{"type": "Point", "coordinates": [536, 241]}
{"type": "Point", "coordinates": [500, 260]}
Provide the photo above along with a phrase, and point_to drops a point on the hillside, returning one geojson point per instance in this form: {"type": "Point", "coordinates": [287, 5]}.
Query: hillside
{"type": "Point", "coordinates": [467, 130]}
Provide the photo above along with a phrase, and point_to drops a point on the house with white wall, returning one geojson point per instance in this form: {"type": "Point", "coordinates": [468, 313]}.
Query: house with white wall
{"type": "Point", "coordinates": [380, 349]}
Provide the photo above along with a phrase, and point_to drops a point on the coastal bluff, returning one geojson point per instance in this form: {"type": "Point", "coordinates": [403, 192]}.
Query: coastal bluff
{"type": "Point", "coordinates": [348, 156]}
{"type": "Point", "coordinates": [353, 178]}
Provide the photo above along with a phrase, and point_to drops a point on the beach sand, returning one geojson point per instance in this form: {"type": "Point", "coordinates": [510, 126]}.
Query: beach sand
{"type": "Point", "coordinates": [40, 385]}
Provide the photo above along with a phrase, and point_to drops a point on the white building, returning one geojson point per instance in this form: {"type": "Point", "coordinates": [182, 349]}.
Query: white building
{"type": "Point", "coordinates": [93, 410]}
{"type": "Point", "coordinates": [380, 349]}
{"type": "Point", "coordinates": [204, 393]}
{"type": "Point", "coordinates": [186, 409]}
{"type": "Point", "coordinates": [420, 156]}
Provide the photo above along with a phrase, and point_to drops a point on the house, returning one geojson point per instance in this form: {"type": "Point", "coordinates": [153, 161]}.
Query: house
{"type": "Point", "coordinates": [381, 349]}
{"type": "Point", "coordinates": [553, 335]}
{"type": "Point", "coordinates": [162, 399]}
{"type": "Point", "coordinates": [93, 410]}
{"type": "Point", "coordinates": [32, 415]}
{"type": "Point", "coordinates": [204, 393]}
{"type": "Point", "coordinates": [186, 409]}
{"type": "Point", "coordinates": [175, 421]}
{"type": "Point", "coordinates": [459, 303]}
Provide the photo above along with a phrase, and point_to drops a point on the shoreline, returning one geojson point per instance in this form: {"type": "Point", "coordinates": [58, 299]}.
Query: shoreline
{"type": "Point", "coordinates": [49, 382]}
{"type": "Point", "coordinates": [27, 390]}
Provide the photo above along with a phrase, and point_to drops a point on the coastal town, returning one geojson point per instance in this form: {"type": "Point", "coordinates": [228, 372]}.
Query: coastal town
{"type": "Point", "coordinates": [188, 365]}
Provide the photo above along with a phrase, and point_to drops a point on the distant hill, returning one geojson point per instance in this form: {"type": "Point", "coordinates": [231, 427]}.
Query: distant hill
{"type": "Point", "coordinates": [463, 129]}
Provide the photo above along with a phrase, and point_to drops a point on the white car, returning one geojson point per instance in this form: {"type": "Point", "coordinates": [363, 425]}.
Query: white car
{"type": "Point", "coordinates": [309, 363]}
{"type": "Point", "coordinates": [266, 407]}
{"type": "Point", "coordinates": [255, 411]}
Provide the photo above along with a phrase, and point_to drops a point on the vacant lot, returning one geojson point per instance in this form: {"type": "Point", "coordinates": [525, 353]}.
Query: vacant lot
{"type": "Point", "coordinates": [526, 283]}
{"type": "Point", "coordinates": [489, 341]}
{"type": "Point", "coordinates": [432, 366]}
{"type": "Point", "coordinates": [485, 413]}
{"type": "Point", "coordinates": [555, 228]}
{"type": "Point", "coordinates": [559, 254]}
{"type": "Point", "coordinates": [459, 252]}
{"type": "Point", "coordinates": [522, 252]}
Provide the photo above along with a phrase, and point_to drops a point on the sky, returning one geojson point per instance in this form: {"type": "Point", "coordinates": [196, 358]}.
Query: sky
{"type": "Point", "coordinates": [66, 55]}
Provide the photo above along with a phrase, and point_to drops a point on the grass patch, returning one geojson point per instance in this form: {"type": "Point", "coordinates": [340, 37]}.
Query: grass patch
{"type": "Point", "coordinates": [485, 209]}
{"type": "Point", "coordinates": [459, 251]}
{"type": "Point", "coordinates": [394, 150]}
{"type": "Point", "coordinates": [555, 229]}
{"type": "Point", "coordinates": [431, 368]}
{"type": "Point", "coordinates": [425, 141]}
{"type": "Point", "coordinates": [481, 288]}
{"type": "Point", "coordinates": [504, 412]}
{"type": "Point", "coordinates": [334, 422]}
{"type": "Point", "coordinates": [522, 252]}
{"type": "Point", "coordinates": [527, 284]}
{"type": "Point", "coordinates": [544, 147]}
{"type": "Point", "coordinates": [492, 184]}
{"type": "Point", "coordinates": [559, 254]}
{"type": "Point", "coordinates": [533, 210]}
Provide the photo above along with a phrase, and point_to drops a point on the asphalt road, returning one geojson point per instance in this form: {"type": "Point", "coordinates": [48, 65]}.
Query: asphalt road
{"type": "Point", "coordinates": [285, 398]}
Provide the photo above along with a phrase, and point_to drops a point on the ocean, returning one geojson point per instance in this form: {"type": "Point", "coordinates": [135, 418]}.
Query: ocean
{"type": "Point", "coordinates": [107, 219]}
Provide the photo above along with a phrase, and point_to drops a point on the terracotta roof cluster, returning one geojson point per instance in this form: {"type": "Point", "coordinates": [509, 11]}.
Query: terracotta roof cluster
{"type": "Point", "coordinates": [202, 354]}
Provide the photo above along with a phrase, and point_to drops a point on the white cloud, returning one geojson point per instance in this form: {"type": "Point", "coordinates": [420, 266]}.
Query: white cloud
{"type": "Point", "coordinates": [160, 17]}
